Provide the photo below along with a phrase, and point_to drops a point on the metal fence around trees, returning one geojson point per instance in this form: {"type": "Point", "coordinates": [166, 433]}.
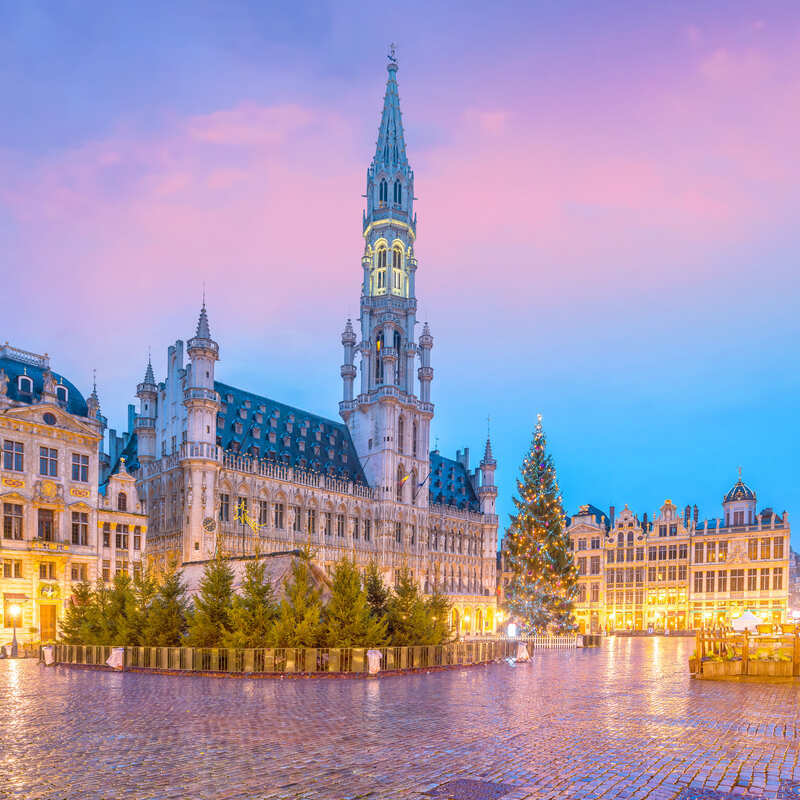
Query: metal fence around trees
{"type": "Point", "coordinates": [306, 661]}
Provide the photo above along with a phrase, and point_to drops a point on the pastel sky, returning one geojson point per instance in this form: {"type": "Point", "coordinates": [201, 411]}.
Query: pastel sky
{"type": "Point", "coordinates": [608, 200]}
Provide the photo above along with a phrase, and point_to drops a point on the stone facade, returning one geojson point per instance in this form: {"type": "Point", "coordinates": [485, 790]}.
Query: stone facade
{"type": "Point", "coordinates": [221, 466]}
{"type": "Point", "coordinates": [675, 572]}
{"type": "Point", "coordinates": [60, 525]}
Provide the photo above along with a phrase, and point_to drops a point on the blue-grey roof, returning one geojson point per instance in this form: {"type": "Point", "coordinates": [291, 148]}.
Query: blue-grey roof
{"type": "Point", "coordinates": [740, 491]}
{"type": "Point", "coordinates": [600, 517]}
{"type": "Point", "coordinates": [254, 425]}
{"type": "Point", "coordinates": [76, 404]}
{"type": "Point", "coordinates": [450, 485]}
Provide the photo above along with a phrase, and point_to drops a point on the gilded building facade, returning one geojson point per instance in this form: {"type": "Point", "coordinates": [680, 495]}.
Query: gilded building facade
{"type": "Point", "coordinates": [675, 572]}
{"type": "Point", "coordinates": [221, 466]}
{"type": "Point", "coordinates": [60, 525]}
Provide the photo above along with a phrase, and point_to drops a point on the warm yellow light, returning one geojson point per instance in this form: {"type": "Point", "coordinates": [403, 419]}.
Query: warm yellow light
{"type": "Point", "coordinates": [466, 618]}
{"type": "Point", "coordinates": [14, 611]}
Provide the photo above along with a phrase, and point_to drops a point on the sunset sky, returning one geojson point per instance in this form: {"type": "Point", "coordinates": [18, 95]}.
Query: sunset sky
{"type": "Point", "coordinates": [608, 198]}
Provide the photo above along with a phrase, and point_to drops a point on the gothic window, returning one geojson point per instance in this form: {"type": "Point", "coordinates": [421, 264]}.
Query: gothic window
{"type": "Point", "coordinates": [383, 192]}
{"type": "Point", "coordinates": [378, 358]}
{"type": "Point", "coordinates": [379, 276]}
{"type": "Point", "coordinates": [398, 278]}
{"type": "Point", "coordinates": [398, 192]}
{"type": "Point", "coordinates": [397, 363]}
{"type": "Point", "coordinates": [414, 439]}
{"type": "Point", "coordinates": [400, 435]}
{"type": "Point", "coordinates": [413, 481]}
{"type": "Point", "coordinates": [400, 480]}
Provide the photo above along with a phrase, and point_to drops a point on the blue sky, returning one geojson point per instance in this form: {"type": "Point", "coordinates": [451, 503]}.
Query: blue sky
{"type": "Point", "coordinates": [607, 217]}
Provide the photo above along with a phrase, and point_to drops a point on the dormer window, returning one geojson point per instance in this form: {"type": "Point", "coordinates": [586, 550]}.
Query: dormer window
{"type": "Point", "coordinates": [25, 384]}
{"type": "Point", "coordinates": [62, 393]}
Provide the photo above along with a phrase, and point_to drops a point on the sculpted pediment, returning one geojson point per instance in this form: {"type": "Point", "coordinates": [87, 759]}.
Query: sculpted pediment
{"type": "Point", "coordinates": [61, 420]}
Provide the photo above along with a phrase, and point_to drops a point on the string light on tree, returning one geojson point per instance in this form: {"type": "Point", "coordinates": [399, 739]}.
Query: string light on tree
{"type": "Point", "coordinates": [544, 585]}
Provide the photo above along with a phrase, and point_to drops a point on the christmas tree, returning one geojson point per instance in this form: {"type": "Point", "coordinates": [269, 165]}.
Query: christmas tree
{"type": "Point", "coordinates": [544, 578]}
{"type": "Point", "coordinates": [377, 591]}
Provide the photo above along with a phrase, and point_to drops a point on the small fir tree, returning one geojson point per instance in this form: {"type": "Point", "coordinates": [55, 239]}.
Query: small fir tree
{"type": "Point", "coordinates": [167, 619]}
{"type": "Point", "coordinates": [376, 590]}
{"type": "Point", "coordinates": [439, 608]}
{"type": "Point", "coordinates": [299, 620]}
{"type": "Point", "coordinates": [79, 625]}
{"type": "Point", "coordinates": [255, 610]}
{"type": "Point", "coordinates": [348, 618]}
{"type": "Point", "coordinates": [210, 620]}
{"type": "Point", "coordinates": [408, 617]}
{"type": "Point", "coordinates": [120, 614]}
{"type": "Point", "coordinates": [544, 578]}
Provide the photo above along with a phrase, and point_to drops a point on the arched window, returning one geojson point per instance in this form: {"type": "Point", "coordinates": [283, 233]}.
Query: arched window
{"type": "Point", "coordinates": [401, 474]}
{"type": "Point", "coordinates": [379, 277]}
{"type": "Point", "coordinates": [62, 393]}
{"type": "Point", "coordinates": [122, 502]}
{"type": "Point", "coordinates": [398, 361]}
{"type": "Point", "coordinates": [379, 358]}
{"type": "Point", "coordinates": [413, 481]}
{"type": "Point", "coordinates": [414, 439]}
{"type": "Point", "coordinates": [398, 192]}
{"type": "Point", "coordinates": [398, 278]}
{"type": "Point", "coordinates": [460, 584]}
{"type": "Point", "coordinates": [383, 192]}
{"type": "Point", "coordinates": [25, 384]}
{"type": "Point", "coordinates": [401, 430]}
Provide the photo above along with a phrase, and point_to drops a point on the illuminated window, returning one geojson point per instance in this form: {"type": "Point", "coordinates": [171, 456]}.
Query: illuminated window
{"type": "Point", "coordinates": [379, 275]}
{"type": "Point", "coordinates": [398, 277]}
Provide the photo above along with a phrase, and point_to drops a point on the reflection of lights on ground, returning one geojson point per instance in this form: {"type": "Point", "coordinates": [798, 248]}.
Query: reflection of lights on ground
{"type": "Point", "coordinates": [511, 631]}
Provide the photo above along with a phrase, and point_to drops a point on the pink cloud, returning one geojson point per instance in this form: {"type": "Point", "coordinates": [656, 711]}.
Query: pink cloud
{"type": "Point", "coordinates": [565, 200]}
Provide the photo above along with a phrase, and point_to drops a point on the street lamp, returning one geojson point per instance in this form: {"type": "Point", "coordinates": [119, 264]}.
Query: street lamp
{"type": "Point", "coordinates": [14, 611]}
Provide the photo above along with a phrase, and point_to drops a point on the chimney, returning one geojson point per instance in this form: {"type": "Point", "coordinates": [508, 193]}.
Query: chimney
{"type": "Point", "coordinates": [611, 515]}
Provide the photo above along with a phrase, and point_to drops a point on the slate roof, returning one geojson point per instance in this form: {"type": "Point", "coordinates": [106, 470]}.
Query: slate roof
{"type": "Point", "coordinates": [600, 517]}
{"type": "Point", "coordinates": [450, 485]}
{"type": "Point", "coordinates": [740, 491]}
{"type": "Point", "coordinates": [254, 425]}
{"type": "Point", "coordinates": [76, 403]}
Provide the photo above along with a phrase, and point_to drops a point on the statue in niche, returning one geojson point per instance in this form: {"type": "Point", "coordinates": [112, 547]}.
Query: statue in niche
{"type": "Point", "coordinates": [3, 383]}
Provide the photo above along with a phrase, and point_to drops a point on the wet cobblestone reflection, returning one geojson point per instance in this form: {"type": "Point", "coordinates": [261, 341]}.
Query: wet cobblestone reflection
{"type": "Point", "coordinates": [623, 721]}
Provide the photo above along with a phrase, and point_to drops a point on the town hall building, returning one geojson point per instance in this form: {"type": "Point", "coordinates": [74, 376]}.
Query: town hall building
{"type": "Point", "coordinates": [221, 466]}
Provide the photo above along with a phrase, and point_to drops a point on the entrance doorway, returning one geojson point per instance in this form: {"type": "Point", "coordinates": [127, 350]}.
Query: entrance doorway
{"type": "Point", "coordinates": [47, 622]}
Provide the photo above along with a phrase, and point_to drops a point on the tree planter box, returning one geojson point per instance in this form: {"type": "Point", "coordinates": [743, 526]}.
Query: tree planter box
{"type": "Point", "coordinates": [721, 669]}
{"type": "Point", "coordinates": [772, 669]}
{"type": "Point", "coordinates": [693, 662]}
{"type": "Point", "coordinates": [713, 669]}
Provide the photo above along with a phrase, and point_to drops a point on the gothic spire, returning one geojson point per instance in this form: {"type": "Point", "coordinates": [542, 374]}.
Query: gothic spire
{"type": "Point", "coordinates": [390, 150]}
{"type": "Point", "coordinates": [149, 378]}
{"type": "Point", "coordinates": [203, 331]}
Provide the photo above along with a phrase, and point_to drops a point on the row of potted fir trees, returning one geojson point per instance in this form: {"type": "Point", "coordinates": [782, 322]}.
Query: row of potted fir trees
{"type": "Point", "coordinates": [158, 612]}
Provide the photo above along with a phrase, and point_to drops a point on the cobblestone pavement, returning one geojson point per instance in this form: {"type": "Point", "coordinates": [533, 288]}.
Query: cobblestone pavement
{"type": "Point", "coordinates": [621, 721]}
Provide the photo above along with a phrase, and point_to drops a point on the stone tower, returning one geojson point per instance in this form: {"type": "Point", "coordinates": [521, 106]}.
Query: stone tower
{"type": "Point", "coordinates": [199, 451]}
{"type": "Point", "coordinates": [389, 420]}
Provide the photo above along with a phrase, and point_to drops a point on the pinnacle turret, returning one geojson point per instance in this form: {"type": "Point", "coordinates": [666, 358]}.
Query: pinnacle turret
{"type": "Point", "coordinates": [488, 458]}
{"type": "Point", "coordinates": [203, 330]}
{"type": "Point", "coordinates": [149, 378]}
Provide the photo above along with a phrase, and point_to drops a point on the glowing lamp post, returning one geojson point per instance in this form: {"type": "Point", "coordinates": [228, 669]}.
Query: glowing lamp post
{"type": "Point", "coordinates": [14, 612]}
